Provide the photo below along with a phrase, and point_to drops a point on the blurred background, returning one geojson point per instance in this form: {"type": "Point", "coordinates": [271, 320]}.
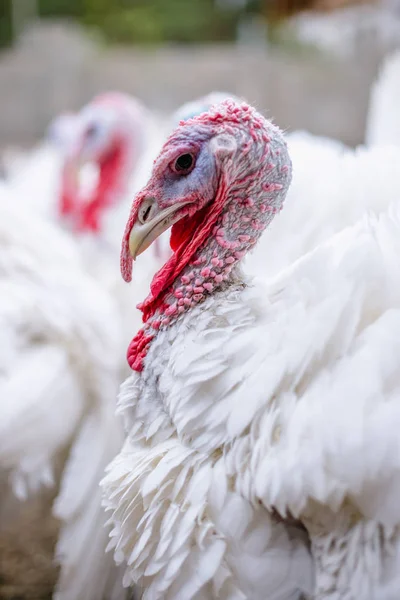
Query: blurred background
{"type": "Point", "coordinates": [308, 64]}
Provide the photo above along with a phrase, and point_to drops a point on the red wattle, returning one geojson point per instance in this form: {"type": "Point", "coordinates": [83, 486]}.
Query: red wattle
{"type": "Point", "coordinates": [184, 229]}
{"type": "Point", "coordinates": [68, 196]}
{"type": "Point", "coordinates": [89, 215]}
{"type": "Point", "coordinates": [90, 218]}
{"type": "Point", "coordinates": [137, 350]}
{"type": "Point", "coordinates": [66, 205]}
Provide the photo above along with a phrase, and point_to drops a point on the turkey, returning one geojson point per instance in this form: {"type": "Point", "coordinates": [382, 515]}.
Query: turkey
{"type": "Point", "coordinates": [71, 313]}
{"type": "Point", "coordinates": [111, 135]}
{"type": "Point", "coordinates": [261, 457]}
{"type": "Point", "coordinates": [59, 370]}
{"type": "Point", "coordinates": [383, 122]}
{"type": "Point", "coordinates": [108, 158]}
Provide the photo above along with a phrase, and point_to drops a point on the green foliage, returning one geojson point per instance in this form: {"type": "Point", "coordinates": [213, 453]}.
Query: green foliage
{"type": "Point", "coordinates": [5, 23]}
{"type": "Point", "coordinates": [139, 25]}
{"type": "Point", "coordinates": [150, 21]}
{"type": "Point", "coordinates": [141, 21]}
{"type": "Point", "coordinates": [197, 20]}
{"type": "Point", "coordinates": [61, 8]}
{"type": "Point", "coordinates": [144, 21]}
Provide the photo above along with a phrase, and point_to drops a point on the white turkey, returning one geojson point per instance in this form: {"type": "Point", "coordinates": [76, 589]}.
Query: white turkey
{"type": "Point", "coordinates": [383, 122]}
{"type": "Point", "coordinates": [111, 135]}
{"type": "Point", "coordinates": [114, 139]}
{"type": "Point", "coordinates": [59, 370]}
{"type": "Point", "coordinates": [107, 160]}
{"type": "Point", "coordinates": [250, 404]}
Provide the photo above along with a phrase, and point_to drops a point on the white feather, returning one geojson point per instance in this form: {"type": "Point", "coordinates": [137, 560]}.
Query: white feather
{"type": "Point", "coordinates": [59, 372]}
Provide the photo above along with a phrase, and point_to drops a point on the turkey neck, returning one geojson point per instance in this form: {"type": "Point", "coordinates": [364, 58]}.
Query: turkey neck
{"type": "Point", "coordinates": [214, 266]}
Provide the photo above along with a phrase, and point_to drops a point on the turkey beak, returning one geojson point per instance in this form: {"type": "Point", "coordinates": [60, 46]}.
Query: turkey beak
{"type": "Point", "coordinates": [151, 222]}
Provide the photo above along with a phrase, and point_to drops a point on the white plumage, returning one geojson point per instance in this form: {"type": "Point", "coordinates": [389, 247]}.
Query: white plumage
{"type": "Point", "coordinates": [86, 419]}
{"type": "Point", "coordinates": [60, 339]}
{"type": "Point", "coordinates": [335, 462]}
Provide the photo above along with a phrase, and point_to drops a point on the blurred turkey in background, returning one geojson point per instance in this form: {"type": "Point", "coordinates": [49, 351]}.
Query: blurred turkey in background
{"type": "Point", "coordinates": [68, 145]}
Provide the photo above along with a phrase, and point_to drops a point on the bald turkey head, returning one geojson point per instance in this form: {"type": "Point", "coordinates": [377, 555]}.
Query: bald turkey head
{"type": "Point", "coordinates": [218, 181]}
{"type": "Point", "coordinates": [109, 134]}
{"type": "Point", "coordinates": [196, 107]}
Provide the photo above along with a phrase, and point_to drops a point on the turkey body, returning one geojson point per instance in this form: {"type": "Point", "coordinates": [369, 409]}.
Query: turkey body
{"type": "Point", "coordinates": [243, 404]}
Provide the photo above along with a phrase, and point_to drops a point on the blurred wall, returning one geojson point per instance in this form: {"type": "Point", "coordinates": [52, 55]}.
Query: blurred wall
{"type": "Point", "coordinates": [56, 67]}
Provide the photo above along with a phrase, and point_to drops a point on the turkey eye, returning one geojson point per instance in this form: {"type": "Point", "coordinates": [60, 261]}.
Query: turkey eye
{"type": "Point", "coordinates": [91, 131]}
{"type": "Point", "coordinates": [184, 162]}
